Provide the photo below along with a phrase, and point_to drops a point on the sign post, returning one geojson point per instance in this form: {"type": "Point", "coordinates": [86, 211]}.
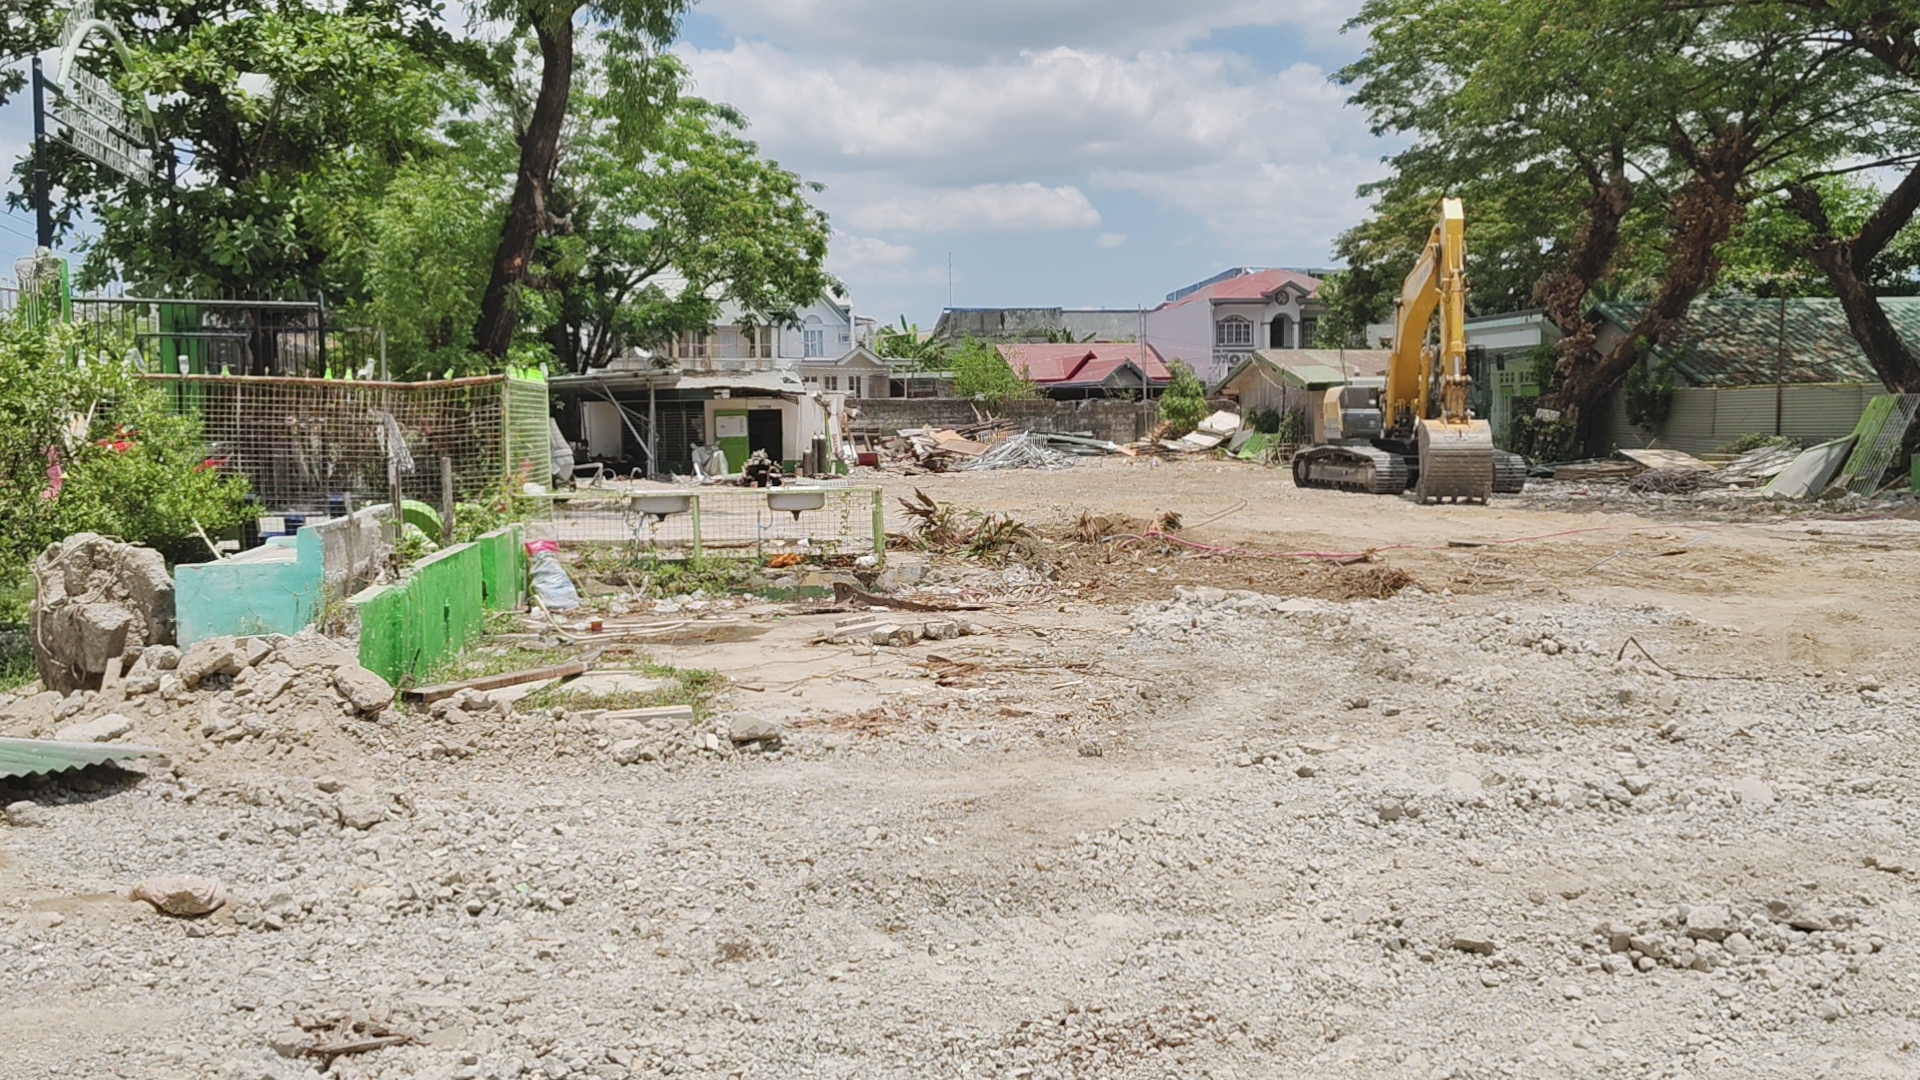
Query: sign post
{"type": "Point", "coordinates": [42, 203]}
{"type": "Point", "coordinates": [92, 117]}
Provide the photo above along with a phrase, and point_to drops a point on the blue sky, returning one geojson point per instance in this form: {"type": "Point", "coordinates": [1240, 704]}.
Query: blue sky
{"type": "Point", "coordinates": [1071, 152]}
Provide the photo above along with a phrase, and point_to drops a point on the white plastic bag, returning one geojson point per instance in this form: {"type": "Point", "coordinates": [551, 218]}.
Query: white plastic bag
{"type": "Point", "coordinates": [550, 581]}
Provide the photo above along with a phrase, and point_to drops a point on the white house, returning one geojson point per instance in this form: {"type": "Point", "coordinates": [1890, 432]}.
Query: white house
{"type": "Point", "coordinates": [822, 330]}
{"type": "Point", "coordinates": [1216, 324]}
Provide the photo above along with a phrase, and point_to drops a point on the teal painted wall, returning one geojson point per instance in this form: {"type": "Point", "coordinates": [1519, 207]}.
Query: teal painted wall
{"type": "Point", "coordinates": [439, 606]}
{"type": "Point", "coordinates": [258, 592]}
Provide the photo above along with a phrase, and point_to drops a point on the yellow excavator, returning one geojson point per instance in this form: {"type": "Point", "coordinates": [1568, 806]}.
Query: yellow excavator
{"type": "Point", "coordinates": [1411, 432]}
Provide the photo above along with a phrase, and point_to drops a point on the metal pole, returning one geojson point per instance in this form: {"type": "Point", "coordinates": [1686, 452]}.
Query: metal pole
{"type": "Point", "coordinates": [446, 501]}
{"type": "Point", "coordinates": [1780, 366]}
{"type": "Point", "coordinates": [42, 202]}
{"type": "Point", "coordinates": [653, 441]}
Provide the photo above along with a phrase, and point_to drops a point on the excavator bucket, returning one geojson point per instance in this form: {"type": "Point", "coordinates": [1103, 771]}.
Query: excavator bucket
{"type": "Point", "coordinates": [1456, 461]}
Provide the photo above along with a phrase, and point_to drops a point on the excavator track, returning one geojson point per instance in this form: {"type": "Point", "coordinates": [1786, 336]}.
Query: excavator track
{"type": "Point", "coordinates": [1456, 462]}
{"type": "Point", "coordinates": [1509, 473]}
{"type": "Point", "coordinates": [1351, 468]}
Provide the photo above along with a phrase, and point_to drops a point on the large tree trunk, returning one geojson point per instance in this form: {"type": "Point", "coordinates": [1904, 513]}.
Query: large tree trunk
{"type": "Point", "coordinates": [1848, 264]}
{"type": "Point", "coordinates": [1705, 213]}
{"type": "Point", "coordinates": [527, 214]}
{"type": "Point", "coordinates": [1563, 296]}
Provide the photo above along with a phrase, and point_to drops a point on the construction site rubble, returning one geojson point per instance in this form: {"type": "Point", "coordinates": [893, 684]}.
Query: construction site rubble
{"type": "Point", "coordinates": [1483, 794]}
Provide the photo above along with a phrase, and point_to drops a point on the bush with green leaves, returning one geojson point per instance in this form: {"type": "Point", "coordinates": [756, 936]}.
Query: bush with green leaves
{"type": "Point", "coordinates": [981, 373]}
{"type": "Point", "coordinates": [127, 466]}
{"type": "Point", "coordinates": [1184, 402]}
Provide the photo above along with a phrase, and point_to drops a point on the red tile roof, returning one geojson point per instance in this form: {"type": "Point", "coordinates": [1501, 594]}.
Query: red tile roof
{"type": "Point", "coordinates": [1249, 287]}
{"type": "Point", "coordinates": [1090, 363]}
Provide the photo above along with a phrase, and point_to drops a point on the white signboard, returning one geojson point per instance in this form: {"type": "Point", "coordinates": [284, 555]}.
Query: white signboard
{"type": "Point", "coordinates": [729, 427]}
{"type": "Point", "coordinates": [94, 117]}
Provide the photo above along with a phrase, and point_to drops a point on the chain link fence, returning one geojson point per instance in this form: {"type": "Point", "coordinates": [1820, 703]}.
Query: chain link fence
{"type": "Point", "coordinates": [323, 445]}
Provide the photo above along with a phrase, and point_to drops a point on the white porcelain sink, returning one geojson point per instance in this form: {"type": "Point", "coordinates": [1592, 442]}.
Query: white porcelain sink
{"type": "Point", "coordinates": [795, 501]}
{"type": "Point", "coordinates": [660, 506]}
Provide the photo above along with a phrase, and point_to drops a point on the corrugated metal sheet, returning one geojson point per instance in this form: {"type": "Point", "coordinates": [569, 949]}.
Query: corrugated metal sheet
{"type": "Point", "coordinates": [1739, 342]}
{"type": "Point", "coordinates": [33, 757]}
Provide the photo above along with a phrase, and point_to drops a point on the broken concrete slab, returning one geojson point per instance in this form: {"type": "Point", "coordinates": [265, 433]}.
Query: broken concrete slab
{"type": "Point", "coordinates": [105, 728]}
{"type": "Point", "coordinates": [96, 601]}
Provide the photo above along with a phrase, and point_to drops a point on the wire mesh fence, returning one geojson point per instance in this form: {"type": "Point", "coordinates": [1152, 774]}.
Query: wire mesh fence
{"type": "Point", "coordinates": [718, 522]}
{"type": "Point", "coordinates": [319, 445]}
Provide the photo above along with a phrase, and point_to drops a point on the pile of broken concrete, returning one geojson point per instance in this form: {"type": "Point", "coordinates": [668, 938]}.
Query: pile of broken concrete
{"type": "Point", "coordinates": [269, 692]}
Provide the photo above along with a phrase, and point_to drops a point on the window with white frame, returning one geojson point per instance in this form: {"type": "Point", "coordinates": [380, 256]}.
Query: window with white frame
{"type": "Point", "coordinates": [816, 337]}
{"type": "Point", "coordinates": [833, 381]}
{"type": "Point", "coordinates": [1233, 331]}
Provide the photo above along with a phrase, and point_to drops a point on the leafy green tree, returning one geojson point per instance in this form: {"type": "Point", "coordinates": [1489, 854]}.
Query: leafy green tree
{"type": "Point", "coordinates": [981, 373]}
{"type": "Point", "coordinates": [128, 466]}
{"type": "Point", "coordinates": [1602, 145]}
{"type": "Point", "coordinates": [1183, 404]}
{"type": "Point", "coordinates": [288, 120]}
{"type": "Point", "coordinates": [917, 352]}
{"type": "Point", "coordinates": [649, 236]}
{"type": "Point", "coordinates": [632, 34]}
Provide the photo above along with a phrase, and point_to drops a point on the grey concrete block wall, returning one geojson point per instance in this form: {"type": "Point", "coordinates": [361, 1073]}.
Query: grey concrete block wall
{"type": "Point", "coordinates": [1118, 421]}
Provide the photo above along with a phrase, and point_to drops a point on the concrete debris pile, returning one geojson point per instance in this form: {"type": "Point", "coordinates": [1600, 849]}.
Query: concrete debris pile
{"type": "Point", "coordinates": [891, 630]}
{"type": "Point", "coordinates": [97, 603]}
{"type": "Point", "coordinates": [257, 695]}
{"type": "Point", "coordinates": [666, 733]}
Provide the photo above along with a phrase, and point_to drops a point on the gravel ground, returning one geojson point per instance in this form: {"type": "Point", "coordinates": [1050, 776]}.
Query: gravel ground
{"type": "Point", "coordinates": [1208, 833]}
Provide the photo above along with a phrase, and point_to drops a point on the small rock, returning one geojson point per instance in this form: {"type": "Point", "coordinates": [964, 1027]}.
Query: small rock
{"type": "Point", "coordinates": [1886, 864]}
{"type": "Point", "coordinates": [329, 784]}
{"type": "Point", "coordinates": [1753, 790]}
{"type": "Point", "coordinates": [1091, 748]}
{"type": "Point", "coordinates": [253, 650]}
{"type": "Point", "coordinates": [161, 657]}
{"type": "Point", "coordinates": [366, 691]}
{"type": "Point", "coordinates": [25, 814]}
{"type": "Point", "coordinates": [213, 656]}
{"type": "Point", "coordinates": [185, 895]}
{"type": "Point", "coordinates": [1636, 783]}
{"type": "Point", "coordinates": [1390, 809]}
{"type": "Point", "coordinates": [1358, 703]}
{"type": "Point", "coordinates": [626, 751]}
{"type": "Point", "coordinates": [1306, 771]}
{"type": "Point", "coordinates": [100, 729]}
{"type": "Point", "coordinates": [1711, 922]}
{"type": "Point", "coordinates": [360, 806]}
{"type": "Point", "coordinates": [894, 635]}
{"type": "Point", "coordinates": [942, 630]}
{"type": "Point", "coordinates": [748, 729]}
{"type": "Point", "coordinates": [1475, 939]}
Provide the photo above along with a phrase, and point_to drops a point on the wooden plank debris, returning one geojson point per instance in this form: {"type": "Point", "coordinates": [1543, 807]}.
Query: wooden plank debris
{"type": "Point", "coordinates": [428, 694]}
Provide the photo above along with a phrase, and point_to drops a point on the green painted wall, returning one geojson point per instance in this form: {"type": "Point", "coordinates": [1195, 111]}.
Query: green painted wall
{"type": "Point", "coordinates": [736, 447]}
{"type": "Point", "coordinates": [439, 606]}
{"type": "Point", "coordinates": [262, 591]}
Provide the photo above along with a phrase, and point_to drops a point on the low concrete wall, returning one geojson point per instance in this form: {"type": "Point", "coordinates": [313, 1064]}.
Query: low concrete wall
{"type": "Point", "coordinates": [439, 606]}
{"type": "Point", "coordinates": [278, 588]}
{"type": "Point", "coordinates": [1119, 421]}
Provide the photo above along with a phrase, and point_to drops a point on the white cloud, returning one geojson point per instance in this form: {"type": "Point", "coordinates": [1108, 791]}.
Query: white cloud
{"type": "Point", "coordinates": [871, 259]}
{"type": "Point", "coordinates": [895, 31]}
{"type": "Point", "coordinates": [1027, 207]}
{"type": "Point", "coordinates": [1266, 158]}
{"type": "Point", "coordinates": [1110, 239]}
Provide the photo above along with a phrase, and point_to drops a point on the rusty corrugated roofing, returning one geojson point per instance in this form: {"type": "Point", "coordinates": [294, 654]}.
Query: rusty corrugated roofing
{"type": "Point", "coordinates": [1739, 342]}
{"type": "Point", "coordinates": [32, 757]}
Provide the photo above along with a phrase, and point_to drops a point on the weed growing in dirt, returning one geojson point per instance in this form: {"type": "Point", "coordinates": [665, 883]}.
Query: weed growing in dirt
{"type": "Point", "coordinates": [693, 688]}
{"type": "Point", "coordinates": [656, 578]}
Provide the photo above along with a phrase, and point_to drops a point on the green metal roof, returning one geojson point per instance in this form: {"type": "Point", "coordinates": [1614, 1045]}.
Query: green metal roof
{"type": "Point", "coordinates": [1740, 343]}
{"type": "Point", "coordinates": [31, 757]}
